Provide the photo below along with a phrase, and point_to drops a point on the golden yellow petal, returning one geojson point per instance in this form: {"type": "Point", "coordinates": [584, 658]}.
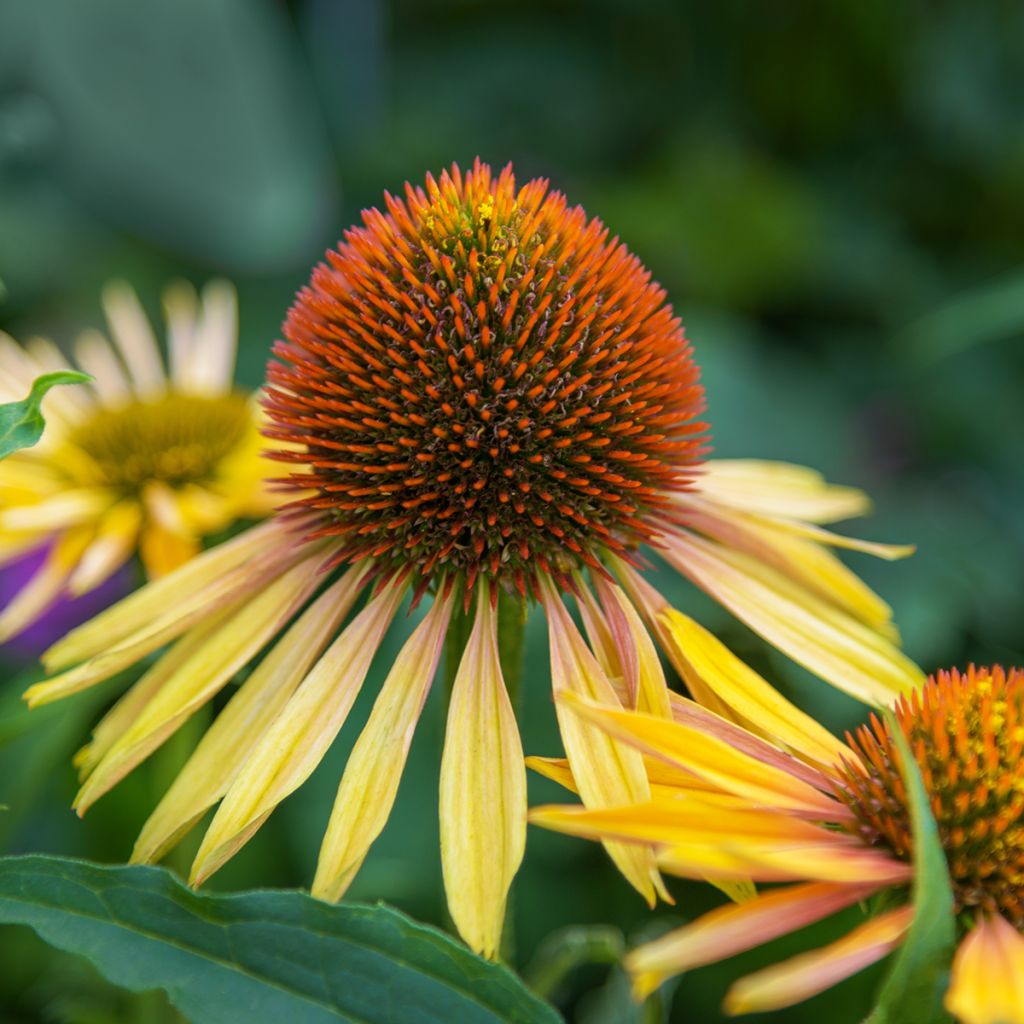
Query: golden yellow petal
{"type": "Point", "coordinates": [986, 985]}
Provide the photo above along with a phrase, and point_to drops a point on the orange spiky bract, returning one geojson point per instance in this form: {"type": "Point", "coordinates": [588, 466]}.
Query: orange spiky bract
{"type": "Point", "coordinates": [966, 732]}
{"type": "Point", "coordinates": [485, 385]}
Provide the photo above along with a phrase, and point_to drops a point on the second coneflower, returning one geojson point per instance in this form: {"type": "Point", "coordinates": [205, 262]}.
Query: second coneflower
{"type": "Point", "coordinates": [788, 802]}
{"type": "Point", "coordinates": [482, 392]}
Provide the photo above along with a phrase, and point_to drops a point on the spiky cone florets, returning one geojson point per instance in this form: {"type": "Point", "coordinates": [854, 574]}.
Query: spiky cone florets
{"type": "Point", "coordinates": [967, 735]}
{"type": "Point", "coordinates": [485, 384]}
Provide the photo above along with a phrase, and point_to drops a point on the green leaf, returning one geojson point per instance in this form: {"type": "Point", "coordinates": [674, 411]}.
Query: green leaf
{"type": "Point", "coordinates": [259, 956]}
{"type": "Point", "coordinates": [21, 423]}
{"type": "Point", "coordinates": [917, 980]}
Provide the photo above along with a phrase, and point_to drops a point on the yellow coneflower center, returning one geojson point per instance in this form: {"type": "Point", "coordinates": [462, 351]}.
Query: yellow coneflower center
{"type": "Point", "coordinates": [176, 439]}
{"type": "Point", "coordinates": [967, 735]}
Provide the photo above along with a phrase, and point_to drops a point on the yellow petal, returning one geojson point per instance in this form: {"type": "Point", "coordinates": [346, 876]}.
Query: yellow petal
{"type": "Point", "coordinates": [813, 633]}
{"type": "Point", "coordinates": [370, 781]}
{"type": "Point", "coordinates": [729, 930]}
{"type": "Point", "coordinates": [755, 701]}
{"type": "Point", "coordinates": [219, 757]}
{"type": "Point", "coordinates": [295, 743]}
{"type": "Point", "coordinates": [986, 984]}
{"type": "Point", "coordinates": [46, 583]}
{"type": "Point", "coordinates": [112, 546]}
{"type": "Point", "coordinates": [780, 489]}
{"type": "Point", "coordinates": [95, 356]}
{"type": "Point", "coordinates": [116, 722]}
{"type": "Point", "coordinates": [202, 578]}
{"type": "Point", "coordinates": [211, 357]}
{"type": "Point", "coordinates": [710, 758]}
{"type": "Point", "coordinates": [162, 551]}
{"type": "Point", "coordinates": [483, 791]}
{"type": "Point", "coordinates": [608, 773]}
{"type": "Point", "coordinates": [810, 973]}
{"type": "Point", "coordinates": [202, 675]}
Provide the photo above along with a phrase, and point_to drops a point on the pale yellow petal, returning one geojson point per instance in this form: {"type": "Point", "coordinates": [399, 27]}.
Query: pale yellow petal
{"type": "Point", "coordinates": [755, 701]}
{"type": "Point", "coordinates": [806, 975]}
{"type": "Point", "coordinates": [71, 507]}
{"type": "Point", "coordinates": [202, 675]}
{"type": "Point", "coordinates": [163, 598]}
{"type": "Point", "coordinates": [133, 335]}
{"type": "Point", "coordinates": [95, 356]}
{"type": "Point", "coordinates": [986, 984]}
{"type": "Point", "coordinates": [224, 748]}
{"type": "Point", "coordinates": [483, 791]}
{"type": "Point", "coordinates": [818, 636]}
{"type": "Point", "coordinates": [607, 772]}
{"type": "Point", "coordinates": [778, 488]}
{"type": "Point", "coordinates": [211, 359]}
{"type": "Point", "coordinates": [297, 740]}
{"type": "Point", "coordinates": [370, 781]}
{"type": "Point", "coordinates": [181, 311]}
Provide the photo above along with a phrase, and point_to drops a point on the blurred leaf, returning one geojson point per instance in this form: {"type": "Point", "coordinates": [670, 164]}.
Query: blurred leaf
{"type": "Point", "coordinates": [259, 956]}
{"type": "Point", "coordinates": [565, 950]}
{"type": "Point", "coordinates": [916, 983]}
{"type": "Point", "coordinates": [992, 313]}
{"type": "Point", "coordinates": [191, 124]}
{"type": "Point", "coordinates": [22, 423]}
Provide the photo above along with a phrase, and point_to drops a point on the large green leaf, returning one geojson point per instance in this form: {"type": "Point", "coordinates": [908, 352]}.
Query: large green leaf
{"type": "Point", "coordinates": [259, 956]}
{"type": "Point", "coordinates": [21, 423]}
{"type": "Point", "coordinates": [917, 980]}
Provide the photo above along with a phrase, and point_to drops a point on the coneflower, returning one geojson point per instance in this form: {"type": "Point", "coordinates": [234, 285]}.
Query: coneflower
{"type": "Point", "coordinates": [791, 803]}
{"type": "Point", "coordinates": [142, 461]}
{"type": "Point", "coordinates": [481, 392]}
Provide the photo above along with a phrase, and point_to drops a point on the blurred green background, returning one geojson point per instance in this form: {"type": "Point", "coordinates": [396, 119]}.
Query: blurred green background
{"type": "Point", "coordinates": [833, 195]}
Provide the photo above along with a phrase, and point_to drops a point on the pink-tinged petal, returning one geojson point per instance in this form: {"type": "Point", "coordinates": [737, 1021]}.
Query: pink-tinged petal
{"type": "Point", "coordinates": [645, 679]}
{"type": "Point", "coordinates": [806, 975]}
{"type": "Point", "coordinates": [607, 772]}
{"type": "Point", "coordinates": [483, 791]}
{"type": "Point", "coordinates": [986, 984]}
{"type": "Point", "coordinates": [709, 758]}
{"type": "Point", "coordinates": [729, 930]}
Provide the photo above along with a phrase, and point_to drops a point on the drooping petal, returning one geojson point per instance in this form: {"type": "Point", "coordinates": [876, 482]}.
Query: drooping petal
{"type": "Point", "coordinates": [799, 551]}
{"type": "Point", "coordinates": [813, 633]}
{"type": "Point", "coordinates": [986, 984]}
{"type": "Point", "coordinates": [780, 489]}
{"type": "Point", "coordinates": [370, 781]}
{"type": "Point", "coordinates": [645, 678]}
{"type": "Point", "coordinates": [710, 758]}
{"type": "Point", "coordinates": [806, 975]}
{"type": "Point", "coordinates": [205, 582]}
{"type": "Point", "coordinates": [754, 700]}
{"type": "Point", "coordinates": [729, 930]}
{"type": "Point", "coordinates": [607, 772]}
{"type": "Point", "coordinates": [202, 675]}
{"type": "Point", "coordinates": [483, 791]}
{"type": "Point", "coordinates": [224, 748]}
{"type": "Point", "coordinates": [295, 743]}
{"type": "Point", "coordinates": [132, 333]}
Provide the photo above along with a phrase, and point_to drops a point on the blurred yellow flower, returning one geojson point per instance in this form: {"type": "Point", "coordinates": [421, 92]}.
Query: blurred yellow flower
{"type": "Point", "coordinates": [142, 461]}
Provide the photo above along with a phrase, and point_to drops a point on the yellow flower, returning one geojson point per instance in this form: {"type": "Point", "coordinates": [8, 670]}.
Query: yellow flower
{"type": "Point", "coordinates": [784, 801]}
{"type": "Point", "coordinates": [482, 393]}
{"type": "Point", "coordinates": [142, 461]}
